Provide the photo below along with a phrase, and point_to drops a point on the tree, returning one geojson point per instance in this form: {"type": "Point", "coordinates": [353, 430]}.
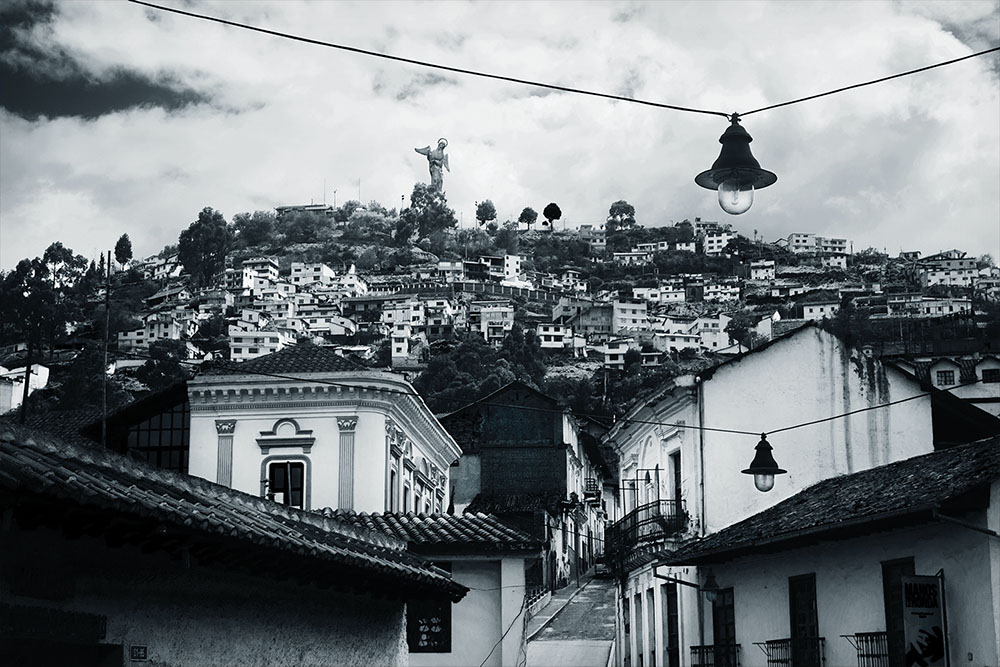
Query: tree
{"type": "Point", "coordinates": [621, 215]}
{"type": "Point", "coordinates": [528, 217]}
{"type": "Point", "coordinates": [202, 247]}
{"type": "Point", "coordinates": [428, 213]}
{"type": "Point", "coordinates": [123, 250]}
{"type": "Point", "coordinates": [485, 212]}
{"type": "Point", "coordinates": [303, 226]}
{"type": "Point", "coordinates": [253, 229]}
{"type": "Point", "coordinates": [552, 212]}
{"type": "Point", "coordinates": [164, 365]}
{"type": "Point", "coordinates": [343, 213]}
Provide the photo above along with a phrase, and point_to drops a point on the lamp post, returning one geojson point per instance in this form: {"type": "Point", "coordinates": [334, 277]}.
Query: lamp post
{"type": "Point", "coordinates": [763, 467]}
{"type": "Point", "coordinates": [736, 173]}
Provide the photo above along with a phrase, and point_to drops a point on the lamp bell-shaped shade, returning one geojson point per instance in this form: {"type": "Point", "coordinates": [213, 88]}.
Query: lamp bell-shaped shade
{"type": "Point", "coordinates": [736, 170]}
{"type": "Point", "coordinates": [763, 467]}
{"type": "Point", "coordinates": [710, 587]}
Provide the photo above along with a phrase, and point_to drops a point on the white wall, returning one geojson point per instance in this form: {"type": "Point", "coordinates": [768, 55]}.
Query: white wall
{"type": "Point", "coordinates": [849, 590]}
{"type": "Point", "coordinates": [803, 378]}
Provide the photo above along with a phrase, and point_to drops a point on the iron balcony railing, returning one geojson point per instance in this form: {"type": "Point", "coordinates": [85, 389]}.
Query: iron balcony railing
{"type": "Point", "coordinates": [716, 655]}
{"type": "Point", "coordinates": [794, 652]}
{"type": "Point", "coordinates": [872, 648]}
{"type": "Point", "coordinates": [645, 526]}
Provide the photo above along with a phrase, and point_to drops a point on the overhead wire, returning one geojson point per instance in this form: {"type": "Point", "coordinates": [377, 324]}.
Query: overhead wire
{"type": "Point", "coordinates": [542, 84]}
{"type": "Point", "coordinates": [626, 421]}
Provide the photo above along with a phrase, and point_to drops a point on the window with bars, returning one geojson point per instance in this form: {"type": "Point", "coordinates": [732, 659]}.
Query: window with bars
{"type": "Point", "coordinates": [163, 440]}
{"type": "Point", "coordinates": [944, 378]}
{"type": "Point", "coordinates": [428, 623]}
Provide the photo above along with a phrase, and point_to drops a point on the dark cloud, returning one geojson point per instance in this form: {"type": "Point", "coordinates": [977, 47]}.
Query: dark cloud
{"type": "Point", "coordinates": [51, 83]}
{"type": "Point", "coordinates": [418, 85]}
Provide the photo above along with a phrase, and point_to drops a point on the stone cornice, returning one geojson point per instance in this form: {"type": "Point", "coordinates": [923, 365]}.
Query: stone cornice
{"type": "Point", "coordinates": [385, 392]}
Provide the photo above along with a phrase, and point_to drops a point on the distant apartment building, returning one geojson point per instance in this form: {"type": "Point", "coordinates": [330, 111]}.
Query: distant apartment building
{"type": "Point", "coordinates": [956, 271]}
{"type": "Point", "coordinates": [238, 279]}
{"type": "Point", "coordinates": [820, 306]}
{"type": "Point", "coordinates": [156, 327]}
{"type": "Point", "coordinates": [660, 294]}
{"type": "Point", "coordinates": [451, 271]}
{"type": "Point", "coordinates": [12, 385]}
{"type": "Point", "coordinates": [594, 236]}
{"type": "Point", "coordinates": [711, 331]}
{"type": "Point", "coordinates": [722, 290]}
{"type": "Point", "coordinates": [762, 269]}
{"type": "Point", "coordinates": [811, 243]}
{"type": "Point", "coordinates": [313, 272]}
{"type": "Point", "coordinates": [787, 289]}
{"type": "Point", "coordinates": [439, 317]}
{"type": "Point", "coordinates": [570, 280]}
{"type": "Point", "coordinates": [493, 320]}
{"type": "Point", "coordinates": [632, 258]}
{"type": "Point", "coordinates": [263, 268]}
{"type": "Point", "coordinates": [169, 295]}
{"type": "Point", "coordinates": [595, 322]}
{"type": "Point", "coordinates": [553, 336]}
{"type": "Point", "coordinates": [318, 209]}
{"type": "Point", "coordinates": [673, 341]}
{"type": "Point", "coordinates": [629, 315]}
{"type": "Point", "coordinates": [614, 352]}
{"type": "Point", "coordinates": [833, 260]}
{"type": "Point", "coordinates": [716, 241]}
{"type": "Point", "coordinates": [684, 246]}
{"type": "Point", "coordinates": [245, 345]}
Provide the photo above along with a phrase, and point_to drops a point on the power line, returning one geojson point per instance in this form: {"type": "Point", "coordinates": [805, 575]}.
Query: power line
{"type": "Point", "coordinates": [422, 63]}
{"type": "Point", "coordinates": [872, 82]}
{"type": "Point", "coordinates": [540, 84]}
{"type": "Point", "coordinates": [235, 369]}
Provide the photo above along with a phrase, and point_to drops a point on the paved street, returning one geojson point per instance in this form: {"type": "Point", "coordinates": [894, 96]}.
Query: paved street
{"type": "Point", "coordinates": [582, 633]}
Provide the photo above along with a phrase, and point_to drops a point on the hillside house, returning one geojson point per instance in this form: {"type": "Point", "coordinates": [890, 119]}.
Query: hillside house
{"type": "Point", "coordinates": [682, 483]}
{"type": "Point", "coordinates": [109, 561]}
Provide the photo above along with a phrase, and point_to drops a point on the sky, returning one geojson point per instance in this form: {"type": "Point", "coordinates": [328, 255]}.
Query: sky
{"type": "Point", "coordinates": [116, 118]}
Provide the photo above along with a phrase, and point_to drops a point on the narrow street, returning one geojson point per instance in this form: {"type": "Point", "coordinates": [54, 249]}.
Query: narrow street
{"type": "Point", "coordinates": [582, 633]}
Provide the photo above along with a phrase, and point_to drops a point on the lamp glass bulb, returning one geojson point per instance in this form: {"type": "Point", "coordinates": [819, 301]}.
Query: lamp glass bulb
{"type": "Point", "coordinates": [735, 197]}
{"type": "Point", "coordinates": [763, 482]}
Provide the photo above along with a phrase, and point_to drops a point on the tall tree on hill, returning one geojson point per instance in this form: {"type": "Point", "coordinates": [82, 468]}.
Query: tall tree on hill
{"type": "Point", "coordinates": [552, 212]}
{"type": "Point", "coordinates": [428, 213]}
{"type": "Point", "coordinates": [528, 217]}
{"type": "Point", "coordinates": [123, 250]}
{"type": "Point", "coordinates": [621, 216]}
{"type": "Point", "coordinates": [65, 272]}
{"type": "Point", "coordinates": [253, 229]}
{"type": "Point", "coordinates": [486, 212]}
{"type": "Point", "coordinates": [29, 303]}
{"type": "Point", "coordinates": [202, 247]}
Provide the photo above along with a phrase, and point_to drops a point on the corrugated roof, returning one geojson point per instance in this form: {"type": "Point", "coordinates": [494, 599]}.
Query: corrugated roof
{"type": "Point", "coordinates": [444, 532]}
{"type": "Point", "coordinates": [215, 523]}
{"type": "Point", "coordinates": [915, 486]}
{"type": "Point", "coordinates": [301, 358]}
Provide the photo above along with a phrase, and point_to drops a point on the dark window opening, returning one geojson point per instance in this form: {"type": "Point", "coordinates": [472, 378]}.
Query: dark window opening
{"type": "Point", "coordinates": [286, 483]}
{"type": "Point", "coordinates": [428, 623]}
{"type": "Point", "coordinates": [163, 440]}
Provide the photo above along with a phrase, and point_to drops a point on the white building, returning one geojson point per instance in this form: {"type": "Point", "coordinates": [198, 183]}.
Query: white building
{"type": "Point", "coordinates": [12, 385]}
{"type": "Point", "coordinates": [681, 483]}
{"type": "Point", "coordinates": [264, 268]}
{"type": "Point", "coordinates": [314, 272]}
{"type": "Point", "coordinates": [716, 242]}
{"type": "Point", "coordinates": [887, 562]}
{"type": "Point", "coordinates": [762, 269]}
{"type": "Point", "coordinates": [246, 345]}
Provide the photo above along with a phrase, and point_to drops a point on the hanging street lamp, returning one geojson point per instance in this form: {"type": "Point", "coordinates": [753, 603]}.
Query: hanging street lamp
{"type": "Point", "coordinates": [763, 467]}
{"type": "Point", "coordinates": [736, 173]}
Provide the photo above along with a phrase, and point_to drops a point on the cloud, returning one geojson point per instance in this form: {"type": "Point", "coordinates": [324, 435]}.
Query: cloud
{"type": "Point", "coordinates": [913, 162]}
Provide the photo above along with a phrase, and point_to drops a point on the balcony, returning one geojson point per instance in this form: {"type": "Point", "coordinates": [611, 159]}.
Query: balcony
{"type": "Point", "coordinates": [592, 491]}
{"type": "Point", "coordinates": [644, 527]}
{"type": "Point", "coordinates": [872, 648]}
{"type": "Point", "coordinates": [716, 655]}
{"type": "Point", "coordinates": [794, 652]}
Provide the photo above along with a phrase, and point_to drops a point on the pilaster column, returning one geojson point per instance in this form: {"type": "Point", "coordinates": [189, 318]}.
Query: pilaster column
{"type": "Point", "coordinates": [345, 493]}
{"type": "Point", "coordinates": [225, 428]}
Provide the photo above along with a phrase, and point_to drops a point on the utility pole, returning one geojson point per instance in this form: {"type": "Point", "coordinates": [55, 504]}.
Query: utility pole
{"type": "Point", "coordinates": [104, 368]}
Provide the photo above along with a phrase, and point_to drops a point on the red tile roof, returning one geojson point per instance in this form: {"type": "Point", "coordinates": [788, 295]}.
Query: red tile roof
{"type": "Point", "coordinates": [889, 495]}
{"type": "Point", "coordinates": [164, 510]}
{"type": "Point", "coordinates": [440, 533]}
{"type": "Point", "coordinates": [301, 358]}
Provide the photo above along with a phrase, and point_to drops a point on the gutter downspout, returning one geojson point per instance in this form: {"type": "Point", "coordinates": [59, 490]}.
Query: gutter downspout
{"type": "Point", "coordinates": [700, 397]}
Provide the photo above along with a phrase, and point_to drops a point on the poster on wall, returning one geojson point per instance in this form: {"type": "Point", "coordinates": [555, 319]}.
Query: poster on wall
{"type": "Point", "coordinates": [923, 622]}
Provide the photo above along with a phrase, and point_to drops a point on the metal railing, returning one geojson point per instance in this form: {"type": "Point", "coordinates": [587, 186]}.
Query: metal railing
{"type": "Point", "coordinates": [794, 652]}
{"type": "Point", "coordinates": [716, 655]}
{"type": "Point", "coordinates": [872, 648]}
{"type": "Point", "coordinates": [646, 525]}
